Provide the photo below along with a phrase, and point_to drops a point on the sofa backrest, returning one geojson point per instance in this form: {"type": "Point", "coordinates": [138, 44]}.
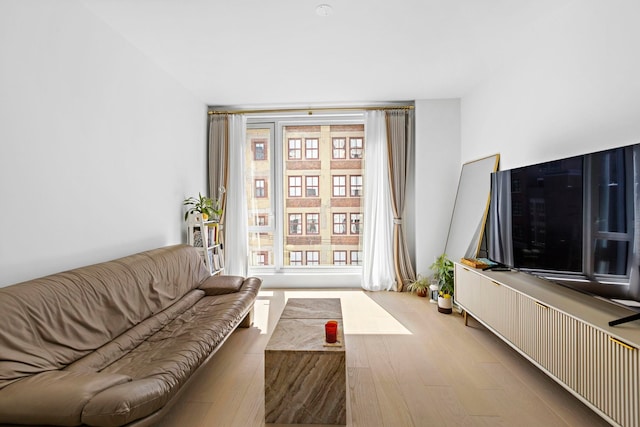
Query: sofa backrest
{"type": "Point", "coordinates": [48, 323]}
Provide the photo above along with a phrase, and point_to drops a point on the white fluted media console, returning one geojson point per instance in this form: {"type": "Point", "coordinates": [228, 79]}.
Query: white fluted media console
{"type": "Point", "coordinates": [564, 332]}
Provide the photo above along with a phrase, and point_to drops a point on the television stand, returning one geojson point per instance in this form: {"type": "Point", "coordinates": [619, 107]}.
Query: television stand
{"type": "Point", "coordinates": [627, 319]}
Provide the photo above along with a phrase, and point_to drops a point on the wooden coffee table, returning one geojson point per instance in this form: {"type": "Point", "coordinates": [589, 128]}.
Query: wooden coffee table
{"type": "Point", "coordinates": [305, 379]}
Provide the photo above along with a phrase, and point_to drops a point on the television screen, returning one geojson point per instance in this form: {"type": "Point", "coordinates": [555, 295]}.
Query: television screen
{"type": "Point", "coordinates": [572, 221]}
{"type": "Point", "coordinates": [546, 212]}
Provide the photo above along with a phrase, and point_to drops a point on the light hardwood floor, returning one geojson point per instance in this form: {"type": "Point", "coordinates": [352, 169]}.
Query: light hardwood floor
{"type": "Point", "coordinates": [407, 365]}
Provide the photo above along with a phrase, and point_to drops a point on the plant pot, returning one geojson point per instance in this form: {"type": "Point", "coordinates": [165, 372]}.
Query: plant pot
{"type": "Point", "coordinates": [422, 292]}
{"type": "Point", "coordinates": [445, 305]}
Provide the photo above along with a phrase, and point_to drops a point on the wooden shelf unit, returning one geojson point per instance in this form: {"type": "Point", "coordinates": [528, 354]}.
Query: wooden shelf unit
{"type": "Point", "coordinates": [203, 235]}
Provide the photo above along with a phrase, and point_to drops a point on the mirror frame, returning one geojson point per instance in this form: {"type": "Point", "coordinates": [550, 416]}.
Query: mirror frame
{"type": "Point", "coordinates": [463, 209]}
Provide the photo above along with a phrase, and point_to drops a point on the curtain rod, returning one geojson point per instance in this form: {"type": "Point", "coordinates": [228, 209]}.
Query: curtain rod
{"type": "Point", "coordinates": [311, 110]}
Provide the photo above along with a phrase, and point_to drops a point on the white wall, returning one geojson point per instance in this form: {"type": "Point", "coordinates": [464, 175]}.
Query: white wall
{"type": "Point", "coordinates": [437, 172]}
{"type": "Point", "coordinates": [575, 88]}
{"type": "Point", "coordinates": [98, 146]}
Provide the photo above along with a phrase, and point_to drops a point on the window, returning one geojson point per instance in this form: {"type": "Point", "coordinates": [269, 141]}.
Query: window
{"type": "Point", "coordinates": [312, 223]}
{"type": "Point", "coordinates": [339, 223]}
{"type": "Point", "coordinates": [311, 148]}
{"type": "Point", "coordinates": [339, 186]}
{"type": "Point", "coordinates": [356, 223]}
{"type": "Point", "coordinates": [261, 258]}
{"type": "Point", "coordinates": [356, 258]}
{"type": "Point", "coordinates": [295, 223]}
{"type": "Point", "coordinates": [356, 185]}
{"type": "Point", "coordinates": [260, 188]}
{"type": "Point", "coordinates": [312, 186]}
{"type": "Point", "coordinates": [313, 257]}
{"type": "Point", "coordinates": [295, 149]}
{"type": "Point", "coordinates": [339, 148]}
{"type": "Point", "coordinates": [355, 148]}
{"type": "Point", "coordinates": [299, 196]}
{"type": "Point", "coordinates": [259, 150]}
{"type": "Point", "coordinates": [340, 257]}
{"type": "Point", "coordinates": [295, 258]}
{"type": "Point", "coordinates": [295, 186]}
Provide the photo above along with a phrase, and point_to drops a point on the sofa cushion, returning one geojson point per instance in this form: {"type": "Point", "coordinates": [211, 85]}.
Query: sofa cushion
{"type": "Point", "coordinates": [116, 349]}
{"type": "Point", "coordinates": [54, 397]}
{"type": "Point", "coordinates": [220, 285]}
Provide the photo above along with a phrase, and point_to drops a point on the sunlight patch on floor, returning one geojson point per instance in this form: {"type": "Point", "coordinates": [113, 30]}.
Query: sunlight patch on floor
{"type": "Point", "coordinates": [362, 315]}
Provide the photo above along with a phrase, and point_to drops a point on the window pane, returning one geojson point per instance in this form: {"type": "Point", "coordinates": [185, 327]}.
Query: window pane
{"type": "Point", "coordinates": [609, 174]}
{"type": "Point", "coordinates": [339, 186]}
{"type": "Point", "coordinates": [259, 203]}
{"type": "Point", "coordinates": [313, 257]}
{"type": "Point", "coordinates": [339, 223]}
{"type": "Point", "coordinates": [339, 148]}
{"type": "Point", "coordinates": [611, 257]}
{"type": "Point", "coordinates": [356, 185]}
{"type": "Point", "coordinates": [311, 148]}
{"type": "Point", "coordinates": [308, 177]}
{"type": "Point", "coordinates": [295, 186]}
{"type": "Point", "coordinates": [355, 148]}
{"type": "Point", "coordinates": [295, 149]}
{"type": "Point", "coordinates": [312, 186]}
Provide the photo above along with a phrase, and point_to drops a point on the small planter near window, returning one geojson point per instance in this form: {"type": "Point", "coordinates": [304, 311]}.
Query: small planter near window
{"type": "Point", "coordinates": [443, 276]}
{"type": "Point", "coordinates": [420, 286]}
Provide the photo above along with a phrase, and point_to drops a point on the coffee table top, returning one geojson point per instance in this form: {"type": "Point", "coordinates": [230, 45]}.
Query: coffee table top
{"type": "Point", "coordinates": [301, 325]}
{"type": "Point", "coordinates": [312, 308]}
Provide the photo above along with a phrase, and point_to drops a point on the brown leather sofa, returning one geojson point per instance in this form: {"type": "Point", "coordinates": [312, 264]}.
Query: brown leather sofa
{"type": "Point", "coordinates": [113, 343]}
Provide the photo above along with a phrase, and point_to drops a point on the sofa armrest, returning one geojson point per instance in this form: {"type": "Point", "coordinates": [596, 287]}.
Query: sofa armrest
{"type": "Point", "coordinates": [220, 285]}
{"type": "Point", "coordinates": [54, 397]}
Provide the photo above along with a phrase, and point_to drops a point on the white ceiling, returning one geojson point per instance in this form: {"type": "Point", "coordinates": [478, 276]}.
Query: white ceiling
{"type": "Point", "coordinates": [267, 52]}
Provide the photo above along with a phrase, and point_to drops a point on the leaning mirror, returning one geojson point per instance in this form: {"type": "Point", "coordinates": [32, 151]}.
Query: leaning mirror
{"type": "Point", "coordinates": [470, 208]}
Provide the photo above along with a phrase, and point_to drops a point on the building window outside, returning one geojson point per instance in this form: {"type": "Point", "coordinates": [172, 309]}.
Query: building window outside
{"type": "Point", "coordinates": [339, 148]}
{"type": "Point", "coordinates": [295, 186]}
{"type": "Point", "coordinates": [339, 186]}
{"type": "Point", "coordinates": [313, 257]}
{"type": "Point", "coordinates": [356, 223]}
{"type": "Point", "coordinates": [355, 148]}
{"type": "Point", "coordinates": [260, 188]}
{"type": "Point", "coordinates": [356, 185]}
{"type": "Point", "coordinates": [295, 149]}
{"type": "Point", "coordinates": [259, 150]}
{"type": "Point", "coordinates": [339, 223]}
{"type": "Point", "coordinates": [295, 223]}
{"type": "Point", "coordinates": [261, 258]}
{"type": "Point", "coordinates": [295, 258]}
{"type": "Point", "coordinates": [356, 258]}
{"type": "Point", "coordinates": [262, 220]}
{"type": "Point", "coordinates": [312, 187]}
{"type": "Point", "coordinates": [313, 223]}
{"type": "Point", "coordinates": [311, 148]}
{"type": "Point", "coordinates": [340, 257]}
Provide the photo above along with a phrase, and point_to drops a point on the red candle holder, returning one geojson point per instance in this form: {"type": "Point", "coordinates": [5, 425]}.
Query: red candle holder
{"type": "Point", "coordinates": [331, 331]}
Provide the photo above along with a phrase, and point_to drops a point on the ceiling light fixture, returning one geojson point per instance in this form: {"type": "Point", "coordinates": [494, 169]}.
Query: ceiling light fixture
{"type": "Point", "coordinates": [324, 10]}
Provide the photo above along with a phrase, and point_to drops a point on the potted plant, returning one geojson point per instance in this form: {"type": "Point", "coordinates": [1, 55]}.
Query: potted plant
{"type": "Point", "coordinates": [443, 274]}
{"type": "Point", "coordinates": [203, 205]}
{"type": "Point", "coordinates": [420, 286]}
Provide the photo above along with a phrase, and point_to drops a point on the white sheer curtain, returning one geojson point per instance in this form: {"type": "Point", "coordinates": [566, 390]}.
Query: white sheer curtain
{"type": "Point", "coordinates": [236, 249]}
{"type": "Point", "coordinates": [378, 267]}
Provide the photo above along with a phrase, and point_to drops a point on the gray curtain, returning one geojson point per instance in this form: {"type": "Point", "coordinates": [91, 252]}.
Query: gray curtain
{"type": "Point", "coordinates": [399, 142]}
{"type": "Point", "coordinates": [219, 161]}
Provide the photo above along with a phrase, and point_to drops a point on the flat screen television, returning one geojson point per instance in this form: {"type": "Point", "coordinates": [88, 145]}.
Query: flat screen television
{"type": "Point", "coordinates": [574, 221]}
